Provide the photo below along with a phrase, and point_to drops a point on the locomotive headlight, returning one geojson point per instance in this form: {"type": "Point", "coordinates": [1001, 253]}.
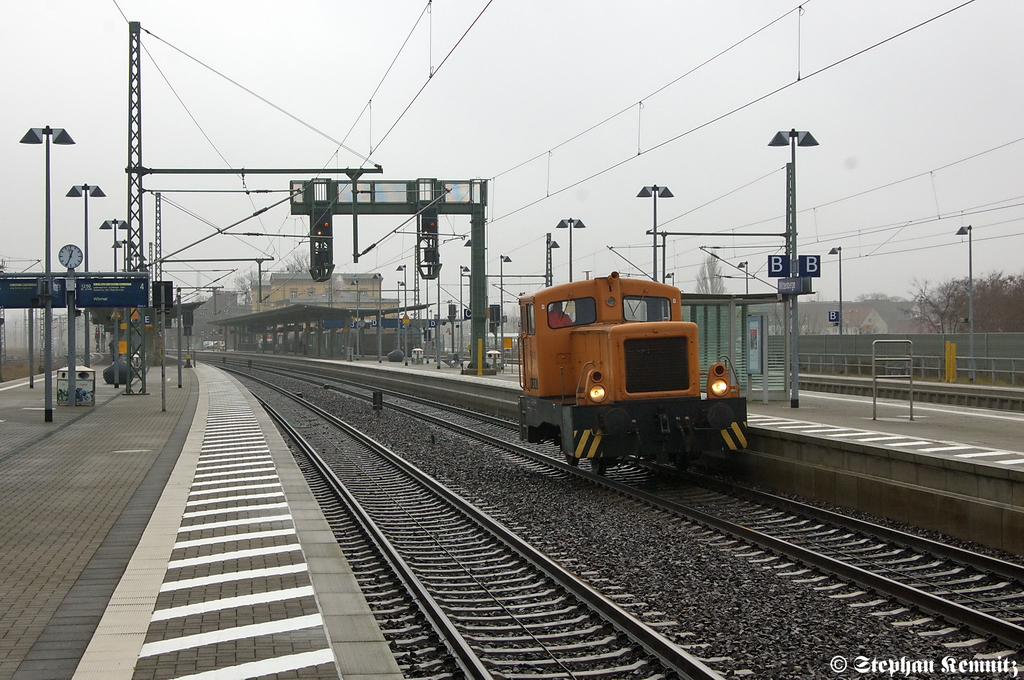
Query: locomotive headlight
{"type": "Point", "coordinates": [718, 387]}
{"type": "Point", "coordinates": [597, 393]}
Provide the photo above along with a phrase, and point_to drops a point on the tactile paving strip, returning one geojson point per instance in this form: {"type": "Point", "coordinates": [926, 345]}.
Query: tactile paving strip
{"type": "Point", "coordinates": [236, 601]}
{"type": "Point", "coordinates": [907, 443]}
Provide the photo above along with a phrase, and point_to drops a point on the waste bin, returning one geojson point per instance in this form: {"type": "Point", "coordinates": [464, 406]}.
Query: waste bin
{"type": "Point", "coordinates": [494, 359]}
{"type": "Point", "coordinates": [417, 355]}
{"type": "Point", "coordinates": [117, 374]}
{"type": "Point", "coordinates": [85, 387]}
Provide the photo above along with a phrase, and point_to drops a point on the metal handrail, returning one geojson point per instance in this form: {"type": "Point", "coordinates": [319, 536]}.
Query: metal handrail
{"type": "Point", "coordinates": [909, 358]}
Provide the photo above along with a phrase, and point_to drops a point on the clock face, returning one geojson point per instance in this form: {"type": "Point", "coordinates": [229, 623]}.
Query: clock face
{"type": "Point", "coordinates": [70, 256]}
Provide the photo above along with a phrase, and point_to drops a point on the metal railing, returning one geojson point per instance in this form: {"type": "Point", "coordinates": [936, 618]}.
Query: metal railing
{"type": "Point", "coordinates": [1006, 371]}
{"type": "Point", "coordinates": [896, 366]}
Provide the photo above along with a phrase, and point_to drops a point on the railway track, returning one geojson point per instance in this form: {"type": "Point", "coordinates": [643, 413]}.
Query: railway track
{"type": "Point", "coordinates": [937, 590]}
{"type": "Point", "coordinates": [493, 602]}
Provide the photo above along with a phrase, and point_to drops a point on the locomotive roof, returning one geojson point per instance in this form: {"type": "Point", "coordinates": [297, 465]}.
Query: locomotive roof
{"type": "Point", "coordinates": [590, 287]}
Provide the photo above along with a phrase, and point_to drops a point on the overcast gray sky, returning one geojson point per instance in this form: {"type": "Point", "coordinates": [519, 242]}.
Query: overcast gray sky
{"type": "Point", "coordinates": [918, 135]}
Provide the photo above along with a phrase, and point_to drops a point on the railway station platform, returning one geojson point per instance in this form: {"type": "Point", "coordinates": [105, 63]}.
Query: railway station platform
{"type": "Point", "coordinates": [141, 543]}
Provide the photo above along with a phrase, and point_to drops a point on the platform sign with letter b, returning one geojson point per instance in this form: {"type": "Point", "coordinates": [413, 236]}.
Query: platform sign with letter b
{"type": "Point", "coordinates": [778, 265]}
{"type": "Point", "coordinates": [810, 265]}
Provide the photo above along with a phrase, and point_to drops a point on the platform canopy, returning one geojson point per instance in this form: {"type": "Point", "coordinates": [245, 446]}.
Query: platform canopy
{"type": "Point", "coordinates": [311, 313]}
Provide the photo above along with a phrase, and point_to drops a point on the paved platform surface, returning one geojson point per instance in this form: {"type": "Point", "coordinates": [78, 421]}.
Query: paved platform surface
{"type": "Point", "coordinates": [979, 435]}
{"type": "Point", "coordinates": [140, 543]}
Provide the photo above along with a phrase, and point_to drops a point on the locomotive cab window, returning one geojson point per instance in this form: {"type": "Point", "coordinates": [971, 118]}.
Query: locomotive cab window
{"type": "Point", "coordinates": [527, 320]}
{"type": "Point", "coordinates": [644, 308]}
{"type": "Point", "coordinates": [577, 312]}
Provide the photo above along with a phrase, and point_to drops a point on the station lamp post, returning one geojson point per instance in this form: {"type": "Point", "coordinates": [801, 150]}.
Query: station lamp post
{"type": "Point", "coordinates": [84, 191]}
{"type": "Point", "coordinates": [745, 266]}
{"type": "Point", "coordinates": [501, 298]}
{"type": "Point", "coordinates": [793, 139]}
{"type": "Point", "coordinates": [464, 273]}
{"type": "Point", "coordinates": [402, 330]}
{"type": "Point", "coordinates": [966, 231]}
{"type": "Point", "coordinates": [549, 278]}
{"type": "Point", "coordinates": [113, 226]}
{"type": "Point", "coordinates": [570, 224]}
{"type": "Point", "coordinates": [648, 192]}
{"type": "Point", "coordinates": [38, 136]}
{"type": "Point", "coordinates": [838, 250]}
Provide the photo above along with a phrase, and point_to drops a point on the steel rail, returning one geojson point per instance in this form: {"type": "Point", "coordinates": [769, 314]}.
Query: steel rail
{"type": "Point", "coordinates": [666, 651]}
{"type": "Point", "coordinates": [979, 561]}
{"type": "Point", "coordinates": [460, 648]}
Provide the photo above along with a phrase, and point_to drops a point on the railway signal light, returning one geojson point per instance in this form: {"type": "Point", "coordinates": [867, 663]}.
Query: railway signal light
{"type": "Point", "coordinates": [321, 246]}
{"type": "Point", "coordinates": [426, 244]}
{"type": "Point", "coordinates": [163, 295]}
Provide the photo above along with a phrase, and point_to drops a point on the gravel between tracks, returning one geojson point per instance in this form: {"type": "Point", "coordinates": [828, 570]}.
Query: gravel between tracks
{"type": "Point", "coordinates": [731, 607]}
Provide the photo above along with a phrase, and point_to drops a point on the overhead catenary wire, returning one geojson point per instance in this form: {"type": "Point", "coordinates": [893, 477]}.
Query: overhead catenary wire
{"type": "Point", "coordinates": [433, 72]}
{"type": "Point", "coordinates": [733, 111]}
{"type": "Point", "coordinates": [369, 102]}
{"type": "Point", "coordinates": [640, 103]}
{"type": "Point", "coordinates": [263, 99]}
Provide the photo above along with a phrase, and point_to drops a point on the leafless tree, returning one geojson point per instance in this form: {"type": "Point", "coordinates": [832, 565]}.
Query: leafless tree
{"type": "Point", "coordinates": [942, 307]}
{"type": "Point", "coordinates": [247, 283]}
{"type": "Point", "coordinates": [709, 278]}
{"type": "Point", "coordinates": [879, 296]}
{"type": "Point", "coordinates": [298, 261]}
{"type": "Point", "coordinates": [998, 304]}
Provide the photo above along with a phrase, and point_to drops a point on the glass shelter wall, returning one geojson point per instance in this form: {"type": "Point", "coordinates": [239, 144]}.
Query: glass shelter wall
{"type": "Point", "coordinates": [724, 332]}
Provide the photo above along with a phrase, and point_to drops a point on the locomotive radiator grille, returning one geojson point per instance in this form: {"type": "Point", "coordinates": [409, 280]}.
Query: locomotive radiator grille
{"type": "Point", "coordinates": [656, 364]}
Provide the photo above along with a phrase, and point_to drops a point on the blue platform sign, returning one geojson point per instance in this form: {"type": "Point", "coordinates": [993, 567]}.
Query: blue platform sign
{"type": "Point", "coordinates": [833, 316]}
{"type": "Point", "coordinates": [111, 292]}
{"type": "Point", "coordinates": [810, 265]}
{"type": "Point", "coordinates": [23, 292]}
{"type": "Point", "coordinates": [778, 266]}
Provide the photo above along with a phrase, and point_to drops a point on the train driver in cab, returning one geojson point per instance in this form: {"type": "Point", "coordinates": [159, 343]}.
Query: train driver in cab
{"type": "Point", "coordinates": [556, 317]}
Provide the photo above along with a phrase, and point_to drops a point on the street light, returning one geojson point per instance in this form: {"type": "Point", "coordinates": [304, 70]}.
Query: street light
{"type": "Point", "coordinates": [549, 278]}
{"type": "Point", "coordinates": [85, 191]}
{"type": "Point", "coordinates": [36, 136]}
{"type": "Point", "coordinates": [793, 139]}
{"type": "Point", "coordinates": [655, 191]}
{"type": "Point", "coordinates": [570, 224]}
{"type": "Point", "coordinates": [115, 356]}
{"type": "Point", "coordinates": [113, 226]}
{"type": "Point", "coordinates": [501, 296]}
{"type": "Point", "coordinates": [464, 273]}
{"type": "Point", "coordinates": [838, 250]}
{"type": "Point", "coordinates": [402, 331]}
{"type": "Point", "coordinates": [966, 231]}
{"type": "Point", "coordinates": [745, 266]}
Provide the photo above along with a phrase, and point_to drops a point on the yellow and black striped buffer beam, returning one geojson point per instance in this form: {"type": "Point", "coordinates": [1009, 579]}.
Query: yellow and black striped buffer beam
{"type": "Point", "coordinates": [735, 436]}
{"type": "Point", "coordinates": [586, 443]}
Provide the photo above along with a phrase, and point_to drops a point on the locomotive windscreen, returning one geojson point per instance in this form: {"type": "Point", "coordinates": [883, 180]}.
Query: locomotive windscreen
{"type": "Point", "coordinates": [656, 364]}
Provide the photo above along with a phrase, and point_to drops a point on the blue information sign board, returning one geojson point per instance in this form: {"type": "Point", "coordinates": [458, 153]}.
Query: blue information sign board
{"type": "Point", "coordinates": [23, 292]}
{"type": "Point", "coordinates": [112, 292]}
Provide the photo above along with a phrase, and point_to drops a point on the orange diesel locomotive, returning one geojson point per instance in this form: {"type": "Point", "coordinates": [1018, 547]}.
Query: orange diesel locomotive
{"type": "Point", "coordinates": [610, 371]}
